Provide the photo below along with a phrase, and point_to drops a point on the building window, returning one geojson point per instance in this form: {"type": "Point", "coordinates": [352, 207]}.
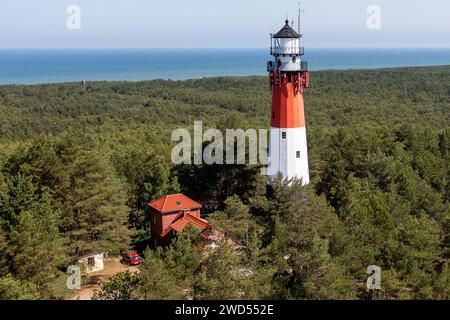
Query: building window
{"type": "Point", "coordinates": [273, 115]}
{"type": "Point", "coordinates": [283, 135]}
{"type": "Point", "coordinates": [91, 262]}
{"type": "Point", "coordinates": [297, 154]}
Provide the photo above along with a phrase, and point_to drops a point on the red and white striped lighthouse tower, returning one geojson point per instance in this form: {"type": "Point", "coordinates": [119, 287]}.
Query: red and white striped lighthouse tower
{"type": "Point", "coordinates": [289, 77]}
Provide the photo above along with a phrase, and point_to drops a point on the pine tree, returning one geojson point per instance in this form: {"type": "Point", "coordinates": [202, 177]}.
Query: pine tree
{"type": "Point", "coordinates": [82, 184]}
{"type": "Point", "coordinates": [316, 276]}
{"type": "Point", "coordinates": [14, 289]}
{"type": "Point", "coordinates": [223, 276]}
{"type": "Point", "coordinates": [37, 161]}
{"type": "Point", "coordinates": [157, 282]}
{"type": "Point", "coordinates": [5, 255]}
{"type": "Point", "coordinates": [36, 246]}
{"type": "Point", "coordinates": [148, 175]}
{"type": "Point", "coordinates": [441, 284]}
{"type": "Point", "coordinates": [93, 203]}
{"type": "Point", "coordinates": [121, 286]}
{"type": "Point", "coordinates": [235, 221]}
{"type": "Point", "coordinates": [20, 196]}
{"type": "Point", "coordinates": [182, 257]}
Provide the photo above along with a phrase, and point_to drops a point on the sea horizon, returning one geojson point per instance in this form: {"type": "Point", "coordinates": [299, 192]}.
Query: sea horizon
{"type": "Point", "coordinates": [60, 65]}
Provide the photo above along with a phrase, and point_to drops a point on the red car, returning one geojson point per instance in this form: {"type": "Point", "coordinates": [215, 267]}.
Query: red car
{"type": "Point", "coordinates": [132, 258]}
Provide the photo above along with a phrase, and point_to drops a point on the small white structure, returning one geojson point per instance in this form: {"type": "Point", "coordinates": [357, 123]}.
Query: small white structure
{"type": "Point", "coordinates": [93, 262]}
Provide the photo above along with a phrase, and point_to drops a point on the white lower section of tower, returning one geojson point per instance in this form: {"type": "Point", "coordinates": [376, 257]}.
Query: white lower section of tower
{"type": "Point", "coordinates": [288, 154]}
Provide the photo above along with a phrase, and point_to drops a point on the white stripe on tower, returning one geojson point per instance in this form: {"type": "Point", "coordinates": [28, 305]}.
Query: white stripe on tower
{"type": "Point", "coordinates": [289, 156]}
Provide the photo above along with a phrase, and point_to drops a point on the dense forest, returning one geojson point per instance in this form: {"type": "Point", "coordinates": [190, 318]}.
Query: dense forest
{"type": "Point", "coordinates": [78, 165]}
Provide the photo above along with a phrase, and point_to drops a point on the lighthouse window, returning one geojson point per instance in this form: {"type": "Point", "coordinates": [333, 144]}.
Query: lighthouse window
{"type": "Point", "coordinates": [283, 135]}
{"type": "Point", "coordinates": [297, 154]}
{"type": "Point", "coordinates": [273, 115]}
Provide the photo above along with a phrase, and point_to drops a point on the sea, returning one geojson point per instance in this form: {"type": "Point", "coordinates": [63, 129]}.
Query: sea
{"type": "Point", "coordinates": [34, 66]}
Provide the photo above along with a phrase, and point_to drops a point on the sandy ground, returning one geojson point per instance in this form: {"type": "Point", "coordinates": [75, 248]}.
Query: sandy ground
{"type": "Point", "coordinates": [93, 280]}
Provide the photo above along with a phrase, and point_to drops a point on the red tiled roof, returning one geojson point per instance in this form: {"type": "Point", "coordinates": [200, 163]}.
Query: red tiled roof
{"type": "Point", "coordinates": [182, 222]}
{"type": "Point", "coordinates": [173, 202]}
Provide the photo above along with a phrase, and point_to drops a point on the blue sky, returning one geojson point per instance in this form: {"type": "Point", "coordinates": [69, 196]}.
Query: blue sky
{"type": "Point", "coordinates": [225, 23]}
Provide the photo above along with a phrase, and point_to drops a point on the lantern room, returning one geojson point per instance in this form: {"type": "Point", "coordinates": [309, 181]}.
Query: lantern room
{"type": "Point", "coordinates": [285, 47]}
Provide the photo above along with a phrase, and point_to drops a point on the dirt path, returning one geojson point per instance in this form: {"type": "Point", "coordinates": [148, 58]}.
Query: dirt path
{"type": "Point", "coordinates": [112, 266]}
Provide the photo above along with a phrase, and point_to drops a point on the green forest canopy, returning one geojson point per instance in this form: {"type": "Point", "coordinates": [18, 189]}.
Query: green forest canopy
{"type": "Point", "coordinates": [77, 167]}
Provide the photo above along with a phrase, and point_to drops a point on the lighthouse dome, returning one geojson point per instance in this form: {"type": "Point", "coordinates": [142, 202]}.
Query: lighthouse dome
{"type": "Point", "coordinates": [286, 32]}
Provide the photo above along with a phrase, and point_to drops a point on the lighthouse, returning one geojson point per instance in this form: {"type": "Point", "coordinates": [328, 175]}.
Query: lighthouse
{"type": "Point", "coordinates": [289, 77]}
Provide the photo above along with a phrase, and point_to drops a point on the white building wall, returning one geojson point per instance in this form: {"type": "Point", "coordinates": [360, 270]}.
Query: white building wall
{"type": "Point", "coordinates": [288, 65]}
{"type": "Point", "coordinates": [283, 154]}
{"type": "Point", "coordinates": [99, 265]}
{"type": "Point", "coordinates": [286, 49]}
{"type": "Point", "coordinates": [286, 46]}
{"type": "Point", "coordinates": [98, 262]}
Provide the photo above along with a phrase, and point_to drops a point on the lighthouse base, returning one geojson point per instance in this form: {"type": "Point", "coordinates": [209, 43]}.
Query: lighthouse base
{"type": "Point", "coordinates": [288, 154]}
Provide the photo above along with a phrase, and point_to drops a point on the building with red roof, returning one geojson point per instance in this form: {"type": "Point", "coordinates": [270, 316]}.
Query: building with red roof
{"type": "Point", "coordinates": [171, 214]}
